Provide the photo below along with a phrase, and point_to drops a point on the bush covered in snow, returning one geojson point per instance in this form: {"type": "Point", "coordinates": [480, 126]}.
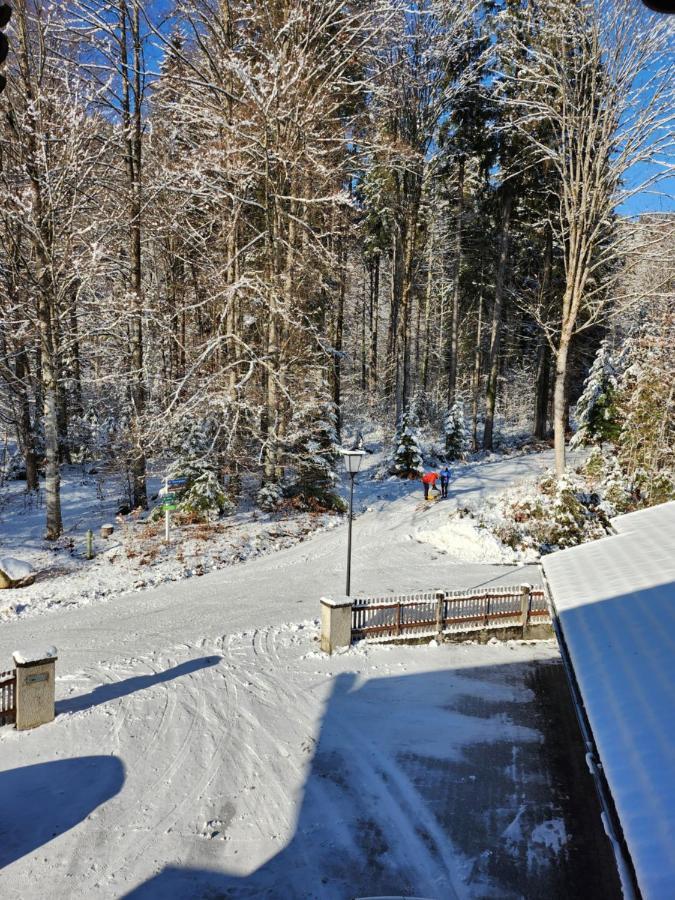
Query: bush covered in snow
{"type": "Point", "coordinates": [203, 496]}
{"type": "Point", "coordinates": [270, 497]}
{"type": "Point", "coordinates": [555, 514]}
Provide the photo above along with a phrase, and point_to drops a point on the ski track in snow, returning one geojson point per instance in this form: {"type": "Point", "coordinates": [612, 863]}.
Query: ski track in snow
{"type": "Point", "coordinates": [246, 752]}
{"type": "Point", "coordinates": [262, 760]}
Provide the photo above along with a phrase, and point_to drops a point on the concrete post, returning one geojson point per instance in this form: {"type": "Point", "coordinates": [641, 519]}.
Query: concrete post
{"type": "Point", "coordinates": [35, 689]}
{"type": "Point", "coordinates": [525, 605]}
{"type": "Point", "coordinates": [336, 623]}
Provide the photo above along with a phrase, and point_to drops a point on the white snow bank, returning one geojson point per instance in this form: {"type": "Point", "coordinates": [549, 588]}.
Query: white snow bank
{"type": "Point", "coordinates": [464, 540]}
{"type": "Point", "coordinates": [15, 569]}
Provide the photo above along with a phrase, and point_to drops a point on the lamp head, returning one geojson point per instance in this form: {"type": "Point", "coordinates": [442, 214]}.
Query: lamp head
{"type": "Point", "coordinates": [353, 460]}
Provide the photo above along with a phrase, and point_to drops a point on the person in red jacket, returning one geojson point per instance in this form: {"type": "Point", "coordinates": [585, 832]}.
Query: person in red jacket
{"type": "Point", "coordinates": [429, 479]}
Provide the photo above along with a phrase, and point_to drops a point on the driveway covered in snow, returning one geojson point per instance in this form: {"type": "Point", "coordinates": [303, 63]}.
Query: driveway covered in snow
{"type": "Point", "coordinates": [253, 766]}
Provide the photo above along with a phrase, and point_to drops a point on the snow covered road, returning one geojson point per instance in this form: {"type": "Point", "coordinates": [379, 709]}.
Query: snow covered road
{"type": "Point", "coordinates": [250, 765]}
{"type": "Point", "coordinates": [286, 586]}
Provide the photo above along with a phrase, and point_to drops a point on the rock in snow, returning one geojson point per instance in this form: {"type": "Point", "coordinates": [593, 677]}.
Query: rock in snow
{"type": "Point", "coordinates": [15, 573]}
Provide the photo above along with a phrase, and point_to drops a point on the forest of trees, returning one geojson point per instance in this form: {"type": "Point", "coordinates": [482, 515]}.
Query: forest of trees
{"type": "Point", "coordinates": [225, 221]}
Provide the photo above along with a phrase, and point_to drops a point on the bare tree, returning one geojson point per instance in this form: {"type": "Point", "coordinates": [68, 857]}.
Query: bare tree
{"type": "Point", "coordinates": [601, 76]}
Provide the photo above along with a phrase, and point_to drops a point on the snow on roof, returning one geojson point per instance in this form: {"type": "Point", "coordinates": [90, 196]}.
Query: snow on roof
{"type": "Point", "coordinates": [615, 600]}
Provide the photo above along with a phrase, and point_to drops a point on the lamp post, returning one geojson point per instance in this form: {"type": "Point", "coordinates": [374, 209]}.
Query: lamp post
{"type": "Point", "coordinates": [353, 460]}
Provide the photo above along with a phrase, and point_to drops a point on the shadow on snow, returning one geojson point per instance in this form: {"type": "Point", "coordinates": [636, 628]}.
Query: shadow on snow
{"type": "Point", "coordinates": [435, 785]}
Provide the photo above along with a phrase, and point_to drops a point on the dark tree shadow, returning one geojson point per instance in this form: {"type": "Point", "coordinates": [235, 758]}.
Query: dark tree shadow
{"type": "Point", "coordinates": [116, 689]}
{"type": "Point", "coordinates": [40, 802]}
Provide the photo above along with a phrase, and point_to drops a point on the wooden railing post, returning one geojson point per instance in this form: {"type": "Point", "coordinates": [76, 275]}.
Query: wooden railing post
{"type": "Point", "coordinates": [440, 603]}
{"type": "Point", "coordinates": [336, 623]}
{"type": "Point", "coordinates": [525, 600]}
{"type": "Point", "coordinates": [35, 693]}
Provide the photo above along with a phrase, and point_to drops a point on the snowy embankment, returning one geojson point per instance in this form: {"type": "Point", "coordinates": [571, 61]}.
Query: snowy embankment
{"type": "Point", "coordinates": [136, 556]}
{"type": "Point", "coordinates": [464, 540]}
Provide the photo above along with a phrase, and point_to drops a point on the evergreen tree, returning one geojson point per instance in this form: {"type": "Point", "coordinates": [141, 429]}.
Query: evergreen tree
{"type": "Point", "coordinates": [203, 495]}
{"type": "Point", "coordinates": [596, 409]}
{"type": "Point", "coordinates": [407, 458]}
{"type": "Point", "coordinates": [646, 440]}
{"type": "Point", "coordinates": [455, 431]}
{"type": "Point", "coordinates": [315, 456]}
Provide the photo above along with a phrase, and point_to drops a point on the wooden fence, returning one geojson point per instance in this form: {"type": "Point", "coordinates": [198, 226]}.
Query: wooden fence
{"type": "Point", "coordinates": [8, 697]}
{"type": "Point", "coordinates": [438, 612]}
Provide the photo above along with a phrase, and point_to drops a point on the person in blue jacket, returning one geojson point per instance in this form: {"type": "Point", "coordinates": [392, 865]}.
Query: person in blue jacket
{"type": "Point", "coordinates": [445, 481]}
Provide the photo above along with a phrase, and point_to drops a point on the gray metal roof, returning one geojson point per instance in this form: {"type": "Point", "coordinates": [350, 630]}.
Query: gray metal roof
{"type": "Point", "coordinates": [615, 600]}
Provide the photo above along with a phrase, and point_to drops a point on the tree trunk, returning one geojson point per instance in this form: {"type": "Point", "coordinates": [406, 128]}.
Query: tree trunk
{"type": "Point", "coordinates": [476, 374]}
{"type": "Point", "coordinates": [403, 381]}
{"type": "Point", "coordinates": [392, 373]}
{"type": "Point", "coordinates": [374, 319]}
{"type": "Point", "coordinates": [46, 301]}
{"type": "Point", "coordinates": [131, 115]}
{"type": "Point", "coordinates": [364, 365]}
{"type": "Point", "coordinates": [78, 407]}
{"type": "Point", "coordinates": [54, 525]}
{"type": "Point", "coordinates": [543, 355]}
{"type": "Point", "coordinates": [454, 318]}
{"type": "Point", "coordinates": [542, 389]}
{"type": "Point", "coordinates": [427, 313]}
{"type": "Point", "coordinates": [26, 430]}
{"type": "Point", "coordinates": [337, 346]}
{"type": "Point", "coordinates": [559, 401]}
{"type": "Point", "coordinates": [493, 357]}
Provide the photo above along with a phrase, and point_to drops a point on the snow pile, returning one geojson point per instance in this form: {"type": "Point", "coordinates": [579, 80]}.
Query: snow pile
{"type": "Point", "coordinates": [15, 569]}
{"type": "Point", "coordinates": [26, 657]}
{"type": "Point", "coordinates": [464, 539]}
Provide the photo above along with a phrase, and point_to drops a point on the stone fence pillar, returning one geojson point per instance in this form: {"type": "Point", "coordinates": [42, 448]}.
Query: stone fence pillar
{"type": "Point", "coordinates": [35, 689]}
{"type": "Point", "coordinates": [336, 623]}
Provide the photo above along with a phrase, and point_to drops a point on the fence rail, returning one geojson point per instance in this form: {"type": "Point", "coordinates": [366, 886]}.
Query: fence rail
{"type": "Point", "coordinates": [8, 697]}
{"type": "Point", "coordinates": [435, 612]}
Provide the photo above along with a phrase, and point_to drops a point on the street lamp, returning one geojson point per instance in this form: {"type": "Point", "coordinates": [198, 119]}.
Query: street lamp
{"type": "Point", "coordinates": [353, 460]}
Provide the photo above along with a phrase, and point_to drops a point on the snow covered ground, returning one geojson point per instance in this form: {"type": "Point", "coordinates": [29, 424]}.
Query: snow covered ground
{"type": "Point", "coordinates": [136, 557]}
{"type": "Point", "coordinates": [251, 765]}
{"type": "Point", "coordinates": [204, 747]}
{"type": "Point", "coordinates": [391, 514]}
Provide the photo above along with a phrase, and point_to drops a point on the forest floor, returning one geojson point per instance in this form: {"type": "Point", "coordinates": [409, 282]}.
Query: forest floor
{"type": "Point", "coordinates": [204, 747]}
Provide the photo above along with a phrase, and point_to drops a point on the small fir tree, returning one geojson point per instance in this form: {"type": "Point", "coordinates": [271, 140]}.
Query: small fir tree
{"type": "Point", "coordinates": [596, 408]}
{"type": "Point", "coordinates": [455, 431]}
{"type": "Point", "coordinates": [316, 455]}
{"type": "Point", "coordinates": [407, 458]}
{"type": "Point", "coordinates": [203, 496]}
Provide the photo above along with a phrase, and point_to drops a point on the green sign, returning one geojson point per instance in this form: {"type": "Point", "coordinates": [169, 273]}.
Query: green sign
{"type": "Point", "coordinates": [169, 506]}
